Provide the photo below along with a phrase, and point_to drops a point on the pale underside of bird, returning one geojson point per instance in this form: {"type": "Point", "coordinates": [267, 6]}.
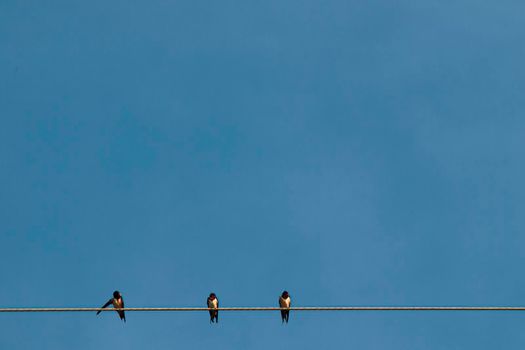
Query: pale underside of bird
{"type": "Point", "coordinates": [213, 303]}
{"type": "Point", "coordinates": [285, 302]}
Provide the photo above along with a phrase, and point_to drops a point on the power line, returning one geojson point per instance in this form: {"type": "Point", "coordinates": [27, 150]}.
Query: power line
{"type": "Point", "coordinates": [306, 308]}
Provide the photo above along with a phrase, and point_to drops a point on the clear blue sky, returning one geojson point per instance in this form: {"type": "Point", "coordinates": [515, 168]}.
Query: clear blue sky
{"type": "Point", "coordinates": [352, 152]}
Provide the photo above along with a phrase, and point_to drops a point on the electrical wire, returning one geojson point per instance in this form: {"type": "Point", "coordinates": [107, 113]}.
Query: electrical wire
{"type": "Point", "coordinates": [306, 308]}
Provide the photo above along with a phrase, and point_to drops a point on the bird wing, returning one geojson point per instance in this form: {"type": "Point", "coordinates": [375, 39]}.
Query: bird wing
{"type": "Point", "coordinates": [121, 313]}
{"type": "Point", "coordinates": [110, 301]}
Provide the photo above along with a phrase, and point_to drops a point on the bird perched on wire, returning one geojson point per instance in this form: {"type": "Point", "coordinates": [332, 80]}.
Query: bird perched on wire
{"type": "Point", "coordinates": [118, 303]}
{"type": "Point", "coordinates": [213, 303]}
{"type": "Point", "coordinates": [285, 302]}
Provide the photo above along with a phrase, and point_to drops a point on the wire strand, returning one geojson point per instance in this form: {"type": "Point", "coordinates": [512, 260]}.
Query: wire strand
{"type": "Point", "coordinates": [306, 308]}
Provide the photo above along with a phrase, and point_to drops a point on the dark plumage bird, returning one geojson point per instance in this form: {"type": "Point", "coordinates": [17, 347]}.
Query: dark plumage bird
{"type": "Point", "coordinates": [118, 303]}
{"type": "Point", "coordinates": [213, 303]}
{"type": "Point", "coordinates": [285, 302]}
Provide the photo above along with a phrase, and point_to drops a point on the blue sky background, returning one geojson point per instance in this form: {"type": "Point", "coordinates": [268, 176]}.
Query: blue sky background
{"type": "Point", "coordinates": [352, 152]}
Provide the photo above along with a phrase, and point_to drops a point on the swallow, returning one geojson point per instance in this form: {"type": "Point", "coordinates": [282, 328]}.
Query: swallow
{"type": "Point", "coordinates": [118, 303]}
{"type": "Point", "coordinates": [285, 303]}
{"type": "Point", "coordinates": [213, 303]}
